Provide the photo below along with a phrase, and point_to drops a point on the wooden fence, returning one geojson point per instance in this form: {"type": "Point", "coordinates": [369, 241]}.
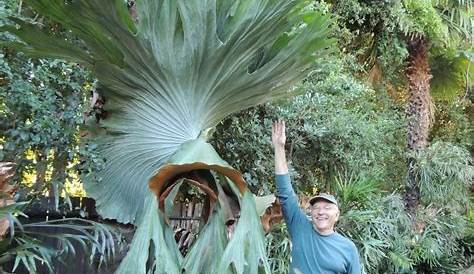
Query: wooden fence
{"type": "Point", "coordinates": [185, 223]}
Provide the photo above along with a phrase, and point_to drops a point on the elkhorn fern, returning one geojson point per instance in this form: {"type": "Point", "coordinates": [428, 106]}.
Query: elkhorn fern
{"type": "Point", "coordinates": [168, 77]}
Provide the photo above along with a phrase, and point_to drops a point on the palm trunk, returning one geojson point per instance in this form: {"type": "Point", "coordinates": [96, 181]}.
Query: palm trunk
{"type": "Point", "coordinates": [419, 113]}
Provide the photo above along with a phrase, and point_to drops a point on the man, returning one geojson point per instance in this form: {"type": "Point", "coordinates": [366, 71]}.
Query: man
{"type": "Point", "coordinates": [316, 247]}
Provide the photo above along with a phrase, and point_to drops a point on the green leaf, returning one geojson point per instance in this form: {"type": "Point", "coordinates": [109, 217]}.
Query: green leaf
{"type": "Point", "coordinates": [246, 249]}
{"type": "Point", "coordinates": [169, 201]}
{"type": "Point", "coordinates": [209, 246]}
{"type": "Point", "coordinates": [263, 202]}
{"type": "Point", "coordinates": [451, 76]}
{"type": "Point", "coordinates": [183, 70]}
{"type": "Point", "coordinates": [167, 80]}
{"type": "Point", "coordinates": [150, 229]}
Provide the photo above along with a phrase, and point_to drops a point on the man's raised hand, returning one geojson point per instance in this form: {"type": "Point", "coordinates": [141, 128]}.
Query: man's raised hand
{"type": "Point", "coordinates": [278, 140]}
{"type": "Point", "coordinates": [278, 134]}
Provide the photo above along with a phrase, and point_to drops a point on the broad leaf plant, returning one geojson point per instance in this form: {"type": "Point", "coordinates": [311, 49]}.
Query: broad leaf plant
{"type": "Point", "coordinates": [169, 74]}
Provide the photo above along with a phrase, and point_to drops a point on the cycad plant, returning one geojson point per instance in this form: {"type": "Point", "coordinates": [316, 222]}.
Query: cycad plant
{"type": "Point", "coordinates": [168, 76]}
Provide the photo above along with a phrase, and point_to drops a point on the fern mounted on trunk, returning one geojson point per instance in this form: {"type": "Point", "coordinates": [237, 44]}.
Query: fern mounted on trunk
{"type": "Point", "coordinates": [169, 74]}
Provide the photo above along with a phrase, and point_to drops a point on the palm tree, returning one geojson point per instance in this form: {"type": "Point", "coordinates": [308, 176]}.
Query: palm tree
{"type": "Point", "coordinates": [168, 76]}
{"type": "Point", "coordinates": [438, 26]}
{"type": "Point", "coordinates": [427, 31]}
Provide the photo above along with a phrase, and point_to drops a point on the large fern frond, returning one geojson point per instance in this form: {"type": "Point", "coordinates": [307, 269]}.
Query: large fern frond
{"type": "Point", "coordinates": [181, 69]}
{"type": "Point", "coordinates": [167, 78]}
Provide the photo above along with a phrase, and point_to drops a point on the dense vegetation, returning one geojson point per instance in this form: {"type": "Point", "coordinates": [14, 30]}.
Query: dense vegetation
{"type": "Point", "coordinates": [385, 123]}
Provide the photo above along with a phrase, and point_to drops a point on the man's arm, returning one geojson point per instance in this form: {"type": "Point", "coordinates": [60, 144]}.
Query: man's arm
{"type": "Point", "coordinates": [286, 195]}
{"type": "Point", "coordinates": [354, 266]}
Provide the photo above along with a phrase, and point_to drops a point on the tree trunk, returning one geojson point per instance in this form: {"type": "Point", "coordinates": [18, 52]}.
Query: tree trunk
{"type": "Point", "coordinates": [41, 168]}
{"type": "Point", "coordinates": [419, 113]}
{"type": "Point", "coordinates": [58, 177]}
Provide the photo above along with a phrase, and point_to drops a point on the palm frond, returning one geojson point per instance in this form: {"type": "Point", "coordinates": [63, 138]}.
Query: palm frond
{"type": "Point", "coordinates": [445, 171]}
{"type": "Point", "coordinates": [451, 76]}
{"type": "Point", "coordinates": [28, 246]}
{"type": "Point", "coordinates": [457, 15]}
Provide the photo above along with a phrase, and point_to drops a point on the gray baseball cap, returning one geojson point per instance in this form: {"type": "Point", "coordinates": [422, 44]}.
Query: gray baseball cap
{"type": "Point", "coordinates": [323, 196]}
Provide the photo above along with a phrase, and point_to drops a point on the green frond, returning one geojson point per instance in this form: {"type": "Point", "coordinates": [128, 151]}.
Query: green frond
{"type": "Point", "coordinates": [181, 69]}
{"type": "Point", "coordinates": [167, 79]}
{"type": "Point", "coordinates": [401, 260]}
{"type": "Point", "coordinates": [29, 246]}
{"type": "Point", "coordinates": [457, 15]}
{"type": "Point", "coordinates": [376, 229]}
{"type": "Point", "coordinates": [210, 245]}
{"type": "Point", "coordinates": [264, 202]}
{"type": "Point", "coordinates": [150, 231]}
{"type": "Point", "coordinates": [246, 249]}
{"type": "Point", "coordinates": [445, 172]}
{"type": "Point", "coordinates": [354, 192]}
{"type": "Point", "coordinates": [421, 19]}
{"type": "Point", "coordinates": [451, 76]}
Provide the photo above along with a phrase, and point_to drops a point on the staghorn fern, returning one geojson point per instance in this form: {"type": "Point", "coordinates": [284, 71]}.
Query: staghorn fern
{"type": "Point", "coordinates": [168, 77]}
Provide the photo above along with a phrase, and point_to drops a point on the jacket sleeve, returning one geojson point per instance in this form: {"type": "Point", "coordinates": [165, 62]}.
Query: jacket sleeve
{"type": "Point", "coordinates": [354, 266]}
{"type": "Point", "coordinates": [294, 216]}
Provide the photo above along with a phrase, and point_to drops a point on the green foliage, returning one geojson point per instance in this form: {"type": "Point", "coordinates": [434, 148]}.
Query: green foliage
{"type": "Point", "coordinates": [466, 245]}
{"type": "Point", "coordinates": [42, 107]}
{"type": "Point", "coordinates": [29, 244]}
{"type": "Point", "coordinates": [453, 124]}
{"type": "Point", "coordinates": [338, 123]}
{"type": "Point", "coordinates": [245, 252]}
{"type": "Point", "coordinates": [278, 249]}
{"type": "Point", "coordinates": [457, 16]}
{"type": "Point", "coordinates": [451, 72]}
{"type": "Point", "coordinates": [445, 173]}
{"type": "Point", "coordinates": [376, 33]}
{"type": "Point", "coordinates": [392, 56]}
{"type": "Point", "coordinates": [422, 19]}
{"type": "Point", "coordinates": [370, 32]}
{"type": "Point", "coordinates": [151, 231]}
{"type": "Point", "coordinates": [375, 221]}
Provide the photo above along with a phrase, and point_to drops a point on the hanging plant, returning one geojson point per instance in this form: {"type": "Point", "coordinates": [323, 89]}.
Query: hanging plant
{"type": "Point", "coordinates": [168, 76]}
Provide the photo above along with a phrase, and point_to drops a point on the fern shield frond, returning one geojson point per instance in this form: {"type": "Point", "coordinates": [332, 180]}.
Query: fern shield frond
{"type": "Point", "coordinates": [177, 71]}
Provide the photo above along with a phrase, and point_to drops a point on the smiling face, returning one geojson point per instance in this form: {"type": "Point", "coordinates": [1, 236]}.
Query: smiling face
{"type": "Point", "coordinates": [324, 216]}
